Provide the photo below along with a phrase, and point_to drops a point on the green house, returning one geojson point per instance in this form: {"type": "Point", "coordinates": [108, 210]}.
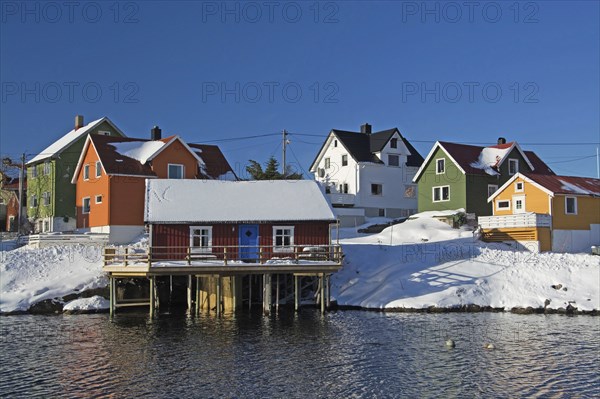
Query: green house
{"type": "Point", "coordinates": [456, 176]}
{"type": "Point", "coordinates": [51, 195]}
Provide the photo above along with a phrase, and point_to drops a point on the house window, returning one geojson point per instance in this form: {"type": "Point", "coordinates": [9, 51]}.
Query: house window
{"type": "Point", "coordinates": [98, 199]}
{"type": "Point", "coordinates": [519, 186]}
{"type": "Point", "coordinates": [335, 143]}
{"type": "Point", "coordinates": [201, 239]}
{"type": "Point", "coordinates": [410, 191]}
{"type": "Point", "coordinates": [376, 189]}
{"type": "Point", "coordinates": [394, 143]}
{"type": "Point", "coordinates": [441, 193]}
{"type": "Point", "coordinates": [46, 226]}
{"type": "Point", "coordinates": [47, 168]}
{"type": "Point", "coordinates": [86, 172]}
{"type": "Point", "coordinates": [381, 212]}
{"type": "Point", "coordinates": [519, 204]}
{"type": "Point", "coordinates": [344, 160]}
{"type": "Point", "coordinates": [103, 132]}
{"type": "Point", "coordinates": [33, 171]}
{"type": "Point", "coordinates": [98, 169]}
{"type": "Point", "coordinates": [327, 163]}
{"type": "Point", "coordinates": [492, 189]}
{"type": "Point", "coordinates": [571, 205]}
{"type": "Point", "coordinates": [283, 238]}
{"type": "Point", "coordinates": [34, 201]}
{"type": "Point", "coordinates": [344, 188]}
{"type": "Point", "coordinates": [175, 171]}
{"type": "Point", "coordinates": [513, 166]}
{"type": "Point", "coordinates": [46, 198]}
{"type": "Point", "coordinates": [393, 160]}
{"type": "Point", "coordinates": [440, 166]}
{"type": "Point", "coordinates": [503, 205]}
{"type": "Point", "coordinates": [85, 205]}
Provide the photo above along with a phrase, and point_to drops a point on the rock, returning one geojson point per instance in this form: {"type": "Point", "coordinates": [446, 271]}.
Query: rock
{"type": "Point", "coordinates": [546, 303]}
{"type": "Point", "coordinates": [46, 307]}
{"type": "Point", "coordinates": [489, 346]}
{"type": "Point", "coordinates": [556, 286]}
{"type": "Point", "coordinates": [570, 309]}
{"type": "Point", "coordinates": [450, 343]}
{"type": "Point", "coordinates": [564, 289]}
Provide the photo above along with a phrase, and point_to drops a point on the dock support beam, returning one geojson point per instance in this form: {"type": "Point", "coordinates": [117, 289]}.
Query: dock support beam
{"type": "Point", "coordinates": [277, 294]}
{"type": "Point", "coordinates": [197, 295]}
{"type": "Point", "coordinates": [296, 294]}
{"type": "Point", "coordinates": [189, 293]}
{"type": "Point", "coordinates": [112, 300]}
{"type": "Point", "coordinates": [219, 299]}
{"type": "Point", "coordinates": [267, 294]}
{"type": "Point", "coordinates": [152, 299]}
{"type": "Point", "coordinates": [322, 286]}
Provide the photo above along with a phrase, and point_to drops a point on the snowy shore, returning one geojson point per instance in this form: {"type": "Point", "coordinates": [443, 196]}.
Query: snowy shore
{"type": "Point", "coordinates": [421, 264]}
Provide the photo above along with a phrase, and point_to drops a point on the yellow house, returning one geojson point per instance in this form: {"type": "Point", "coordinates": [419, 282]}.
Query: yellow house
{"type": "Point", "coordinates": [546, 213]}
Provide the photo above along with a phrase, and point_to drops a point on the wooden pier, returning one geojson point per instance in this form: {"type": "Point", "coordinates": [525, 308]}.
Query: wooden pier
{"type": "Point", "coordinates": [214, 279]}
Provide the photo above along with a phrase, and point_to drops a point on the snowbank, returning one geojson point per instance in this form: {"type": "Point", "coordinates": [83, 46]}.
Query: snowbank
{"type": "Point", "coordinates": [424, 262]}
{"type": "Point", "coordinates": [87, 304]}
{"type": "Point", "coordinates": [31, 275]}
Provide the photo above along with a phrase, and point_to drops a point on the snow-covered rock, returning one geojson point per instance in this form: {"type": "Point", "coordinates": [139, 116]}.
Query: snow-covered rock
{"type": "Point", "coordinates": [94, 303]}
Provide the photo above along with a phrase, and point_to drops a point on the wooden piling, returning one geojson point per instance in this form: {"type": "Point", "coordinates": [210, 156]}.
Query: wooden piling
{"type": "Point", "coordinates": [111, 285]}
{"type": "Point", "coordinates": [322, 283]}
{"type": "Point", "coordinates": [219, 299]}
{"type": "Point", "coordinates": [197, 295]}
{"type": "Point", "coordinates": [296, 294]}
{"type": "Point", "coordinates": [151, 296]}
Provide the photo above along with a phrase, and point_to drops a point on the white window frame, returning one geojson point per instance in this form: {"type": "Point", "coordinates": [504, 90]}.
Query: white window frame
{"type": "Point", "coordinates": [574, 204]}
{"type": "Point", "coordinates": [202, 249]}
{"type": "Point", "coordinates": [181, 166]}
{"type": "Point", "coordinates": [89, 201]}
{"type": "Point", "coordinates": [390, 156]}
{"type": "Point", "coordinates": [437, 166]}
{"type": "Point", "coordinates": [103, 132]}
{"type": "Point", "coordinates": [34, 201]}
{"type": "Point", "coordinates": [380, 193]}
{"type": "Point", "coordinates": [517, 190]}
{"type": "Point", "coordinates": [96, 199]}
{"type": "Point", "coordinates": [492, 192]}
{"type": "Point", "coordinates": [498, 208]}
{"type": "Point", "coordinates": [46, 198]}
{"type": "Point", "coordinates": [513, 170]}
{"type": "Point", "coordinates": [327, 163]}
{"type": "Point", "coordinates": [34, 171]}
{"type": "Point", "coordinates": [47, 168]}
{"type": "Point", "coordinates": [345, 160]}
{"type": "Point", "coordinates": [441, 189]}
{"type": "Point", "coordinates": [283, 248]}
{"type": "Point", "coordinates": [394, 142]}
{"type": "Point", "coordinates": [86, 172]}
{"type": "Point", "coordinates": [98, 169]}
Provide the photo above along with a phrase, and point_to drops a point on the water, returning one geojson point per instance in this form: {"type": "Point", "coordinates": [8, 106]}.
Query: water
{"type": "Point", "coordinates": [339, 355]}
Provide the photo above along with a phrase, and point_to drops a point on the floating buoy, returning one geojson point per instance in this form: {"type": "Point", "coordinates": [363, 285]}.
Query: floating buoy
{"type": "Point", "coordinates": [450, 343]}
{"type": "Point", "coordinates": [489, 346]}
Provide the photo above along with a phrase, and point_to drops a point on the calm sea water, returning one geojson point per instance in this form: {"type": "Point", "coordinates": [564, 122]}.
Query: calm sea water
{"type": "Point", "coordinates": [339, 355]}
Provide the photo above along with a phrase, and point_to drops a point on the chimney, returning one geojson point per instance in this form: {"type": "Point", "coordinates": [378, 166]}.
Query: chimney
{"type": "Point", "coordinates": [501, 140]}
{"type": "Point", "coordinates": [155, 133]}
{"type": "Point", "coordinates": [78, 121]}
{"type": "Point", "coordinates": [366, 128]}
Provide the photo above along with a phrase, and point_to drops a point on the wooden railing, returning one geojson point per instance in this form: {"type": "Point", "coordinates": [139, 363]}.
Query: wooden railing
{"type": "Point", "coordinates": [222, 254]}
{"type": "Point", "coordinates": [512, 221]}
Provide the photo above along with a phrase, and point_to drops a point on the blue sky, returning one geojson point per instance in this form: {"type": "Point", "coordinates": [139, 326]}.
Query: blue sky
{"type": "Point", "coordinates": [208, 71]}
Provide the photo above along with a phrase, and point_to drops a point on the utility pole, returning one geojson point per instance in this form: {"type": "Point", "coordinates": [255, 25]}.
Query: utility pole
{"type": "Point", "coordinates": [597, 163]}
{"type": "Point", "coordinates": [285, 142]}
{"type": "Point", "coordinates": [21, 178]}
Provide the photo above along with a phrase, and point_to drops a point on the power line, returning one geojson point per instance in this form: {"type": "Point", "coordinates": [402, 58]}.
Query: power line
{"type": "Point", "coordinates": [572, 160]}
{"type": "Point", "coordinates": [235, 138]}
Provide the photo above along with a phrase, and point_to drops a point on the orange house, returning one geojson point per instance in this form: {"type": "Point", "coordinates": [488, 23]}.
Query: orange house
{"type": "Point", "coordinates": [110, 180]}
{"type": "Point", "coordinates": [546, 212]}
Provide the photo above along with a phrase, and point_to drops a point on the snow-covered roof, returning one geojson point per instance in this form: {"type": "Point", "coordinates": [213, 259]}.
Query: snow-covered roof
{"type": "Point", "coordinates": [201, 201]}
{"type": "Point", "coordinates": [138, 150]}
{"type": "Point", "coordinates": [490, 158]}
{"type": "Point", "coordinates": [69, 138]}
{"type": "Point", "coordinates": [553, 184]}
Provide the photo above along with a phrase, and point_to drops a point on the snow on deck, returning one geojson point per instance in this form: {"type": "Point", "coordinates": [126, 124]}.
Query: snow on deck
{"type": "Point", "coordinates": [179, 201]}
{"type": "Point", "coordinates": [138, 150]}
{"type": "Point", "coordinates": [489, 158]}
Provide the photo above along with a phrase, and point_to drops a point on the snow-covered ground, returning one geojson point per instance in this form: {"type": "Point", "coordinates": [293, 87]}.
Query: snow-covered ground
{"type": "Point", "coordinates": [424, 262]}
{"type": "Point", "coordinates": [87, 304]}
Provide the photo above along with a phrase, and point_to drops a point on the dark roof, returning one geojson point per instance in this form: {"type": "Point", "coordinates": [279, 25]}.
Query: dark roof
{"type": "Point", "coordinates": [116, 163]}
{"type": "Point", "coordinates": [465, 155]}
{"type": "Point", "coordinates": [362, 147]}
{"type": "Point", "coordinates": [567, 184]}
{"type": "Point", "coordinates": [12, 183]}
{"type": "Point", "coordinates": [215, 161]}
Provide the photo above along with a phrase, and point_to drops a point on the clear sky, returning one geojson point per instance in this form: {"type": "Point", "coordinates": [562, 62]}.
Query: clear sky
{"type": "Point", "coordinates": [455, 71]}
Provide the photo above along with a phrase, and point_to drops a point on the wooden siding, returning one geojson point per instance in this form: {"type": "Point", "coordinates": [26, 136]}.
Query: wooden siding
{"type": "Point", "coordinates": [541, 234]}
{"type": "Point", "coordinates": [172, 240]}
{"type": "Point", "coordinates": [536, 200]}
{"type": "Point", "coordinates": [175, 153]}
{"type": "Point", "coordinates": [126, 198]}
{"type": "Point", "coordinates": [99, 213]}
{"type": "Point", "coordinates": [588, 212]}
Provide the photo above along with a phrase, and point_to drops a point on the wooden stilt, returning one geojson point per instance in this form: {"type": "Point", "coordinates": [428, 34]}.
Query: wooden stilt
{"type": "Point", "coordinates": [151, 296]}
{"type": "Point", "coordinates": [328, 294]}
{"type": "Point", "coordinates": [111, 285]}
{"type": "Point", "coordinates": [296, 294]}
{"type": "Point", "coordinates": [197, 295]}
{"type": "Point", "coordinates": [189, 293]}
{"type": "Point", "coordinates": [322, 282]}
{"type": "Point", "coordinates": [233, 281]}
{"type": "Point", "coordinates": [218, 295]}
{"type": "Point", "coordinates": [277, 294]}
{"type": "Point", "coordinates": [156, 296]}
{"type": "Point", "coordinates": [250, 277]}
{"type": "Point", "coordinates": [267, 294]}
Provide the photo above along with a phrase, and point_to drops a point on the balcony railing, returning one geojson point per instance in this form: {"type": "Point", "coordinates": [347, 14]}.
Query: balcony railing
{"type": "Point", "coordinates": [514, 221]}
{"type": "Point", "coordinates": [222, 255]}
{"type": "Point", "coordinates": [341, 199]}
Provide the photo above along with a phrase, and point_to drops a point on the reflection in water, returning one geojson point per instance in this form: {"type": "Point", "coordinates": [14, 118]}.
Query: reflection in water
{"type": "Point", "coordinates": [340, 354]}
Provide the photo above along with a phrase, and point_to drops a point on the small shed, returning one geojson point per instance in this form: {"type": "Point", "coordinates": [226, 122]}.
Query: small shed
{"type": "Point", "coordinates": [245, 221]}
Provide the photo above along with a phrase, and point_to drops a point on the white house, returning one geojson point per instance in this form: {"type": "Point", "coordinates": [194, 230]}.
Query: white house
{"type": "Point", "coordinates": [368, 174]}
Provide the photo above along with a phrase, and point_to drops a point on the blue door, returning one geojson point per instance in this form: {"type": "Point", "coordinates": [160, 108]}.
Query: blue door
{"type": "Point", "coordinates": [249, 242]}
